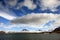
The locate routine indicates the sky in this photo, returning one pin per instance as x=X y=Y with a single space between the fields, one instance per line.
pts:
x=33 y=15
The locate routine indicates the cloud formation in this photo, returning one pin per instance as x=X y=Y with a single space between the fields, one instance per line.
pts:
x=14 y=3
x=29 y=4
x=17 y=27
x=7 y=16
x=33 y=18
x=40 y=20
x=49 y=4
x=6 y=12
x=44 y=4
x=44 y=22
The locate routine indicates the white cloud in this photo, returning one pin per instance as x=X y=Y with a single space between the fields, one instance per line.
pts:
x=45 y=4
x=1 y=24
x=38 y=20
x=29 y=4
x=14 y=3
x=7 y=16
x=10 y=27
x=33 y=18
x=49 y=4
x=6 y=12
x=57 y=23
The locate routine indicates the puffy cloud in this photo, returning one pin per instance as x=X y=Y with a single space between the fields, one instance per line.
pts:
x=14 y=3
x=29 y=4
x=45 y=4
x=49 y=4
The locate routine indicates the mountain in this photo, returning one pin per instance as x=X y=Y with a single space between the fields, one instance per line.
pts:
x=57 y=30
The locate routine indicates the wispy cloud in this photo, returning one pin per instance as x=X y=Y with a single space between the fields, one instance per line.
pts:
x=17 y=27
x=5 y=10
x=7 y=16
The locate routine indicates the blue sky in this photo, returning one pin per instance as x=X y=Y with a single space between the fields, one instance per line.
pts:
x=12 y=10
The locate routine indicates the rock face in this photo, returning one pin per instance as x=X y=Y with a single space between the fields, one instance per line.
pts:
x=57 y=30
